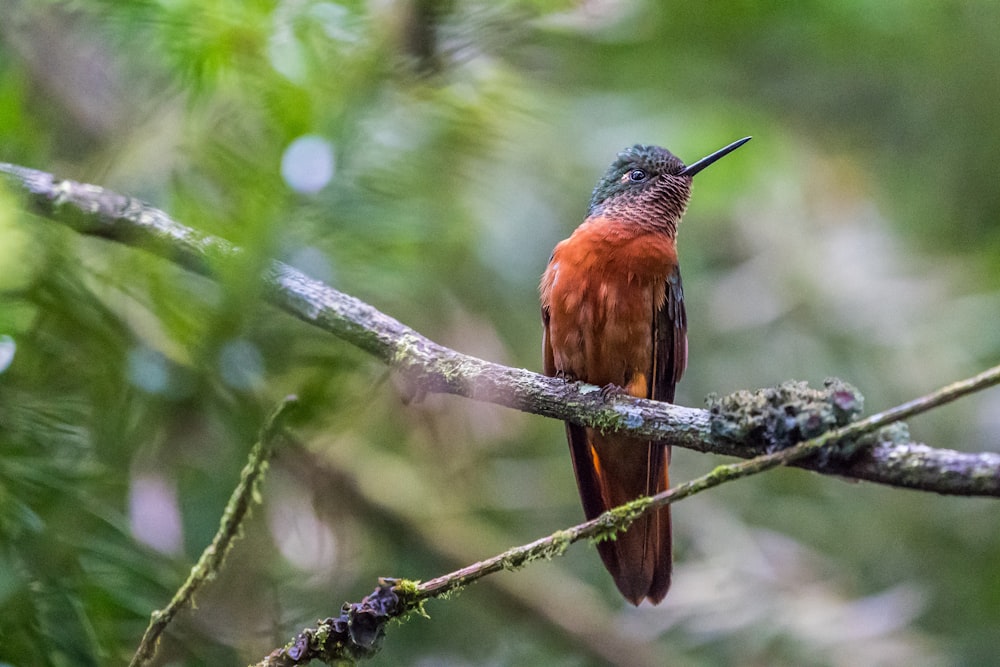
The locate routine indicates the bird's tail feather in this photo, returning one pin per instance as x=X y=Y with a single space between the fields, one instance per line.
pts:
x=611 y=471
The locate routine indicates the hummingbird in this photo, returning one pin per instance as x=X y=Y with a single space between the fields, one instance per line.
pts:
x=613 y=315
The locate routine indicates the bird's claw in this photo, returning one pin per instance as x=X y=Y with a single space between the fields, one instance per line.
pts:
x=612 y=391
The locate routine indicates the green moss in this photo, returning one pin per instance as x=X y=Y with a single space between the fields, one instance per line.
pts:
x=560 y=542
x=451 y=592
x=407 y=589
x=620 y=518
x=717 y=474
x=322 y=635
x=608 y=421
x=514 y=561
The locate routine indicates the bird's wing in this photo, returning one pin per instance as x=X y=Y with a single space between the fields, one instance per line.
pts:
x=548 y=359
x=669 y=340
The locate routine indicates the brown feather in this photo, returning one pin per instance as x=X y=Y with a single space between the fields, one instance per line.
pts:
x=613 y=313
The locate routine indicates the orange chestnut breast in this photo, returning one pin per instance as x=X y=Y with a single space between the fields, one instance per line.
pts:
x=602 y=288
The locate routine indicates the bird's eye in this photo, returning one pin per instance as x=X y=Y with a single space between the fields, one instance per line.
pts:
x=637 y=175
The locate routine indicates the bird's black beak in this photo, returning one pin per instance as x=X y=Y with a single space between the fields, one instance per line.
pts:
x=693 y=169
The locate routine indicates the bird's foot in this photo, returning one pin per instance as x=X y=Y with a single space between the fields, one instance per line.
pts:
x=568 y=376
x=611 y=391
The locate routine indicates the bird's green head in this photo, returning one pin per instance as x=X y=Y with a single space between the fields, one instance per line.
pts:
x=640 y=175
x=650 y=185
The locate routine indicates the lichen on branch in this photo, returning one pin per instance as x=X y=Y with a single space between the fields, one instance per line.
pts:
x=778 y=417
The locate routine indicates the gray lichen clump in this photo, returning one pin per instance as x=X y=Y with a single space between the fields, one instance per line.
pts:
x=778 y=417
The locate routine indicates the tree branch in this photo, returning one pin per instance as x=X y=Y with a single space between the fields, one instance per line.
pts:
x=244 y=496
x=429 y=367
x=358 y=631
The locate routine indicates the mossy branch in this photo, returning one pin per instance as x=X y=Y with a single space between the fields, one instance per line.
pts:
x=358 y=631
x=428 y=367
x=244 y=496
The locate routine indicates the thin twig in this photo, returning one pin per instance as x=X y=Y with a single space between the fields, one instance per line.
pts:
x=244 y=496
x=574 y=615
x=428 y=367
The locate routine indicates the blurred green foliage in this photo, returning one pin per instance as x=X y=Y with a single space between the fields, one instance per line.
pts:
x=855 y=236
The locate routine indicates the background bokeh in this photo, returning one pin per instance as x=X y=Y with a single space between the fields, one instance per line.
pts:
x=425 y=156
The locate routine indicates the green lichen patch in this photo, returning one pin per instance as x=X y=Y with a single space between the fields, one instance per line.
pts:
x=778 y=417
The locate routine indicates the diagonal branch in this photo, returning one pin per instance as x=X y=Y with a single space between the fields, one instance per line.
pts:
x=428 y=367
x=575 y=614
x=358 y=631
